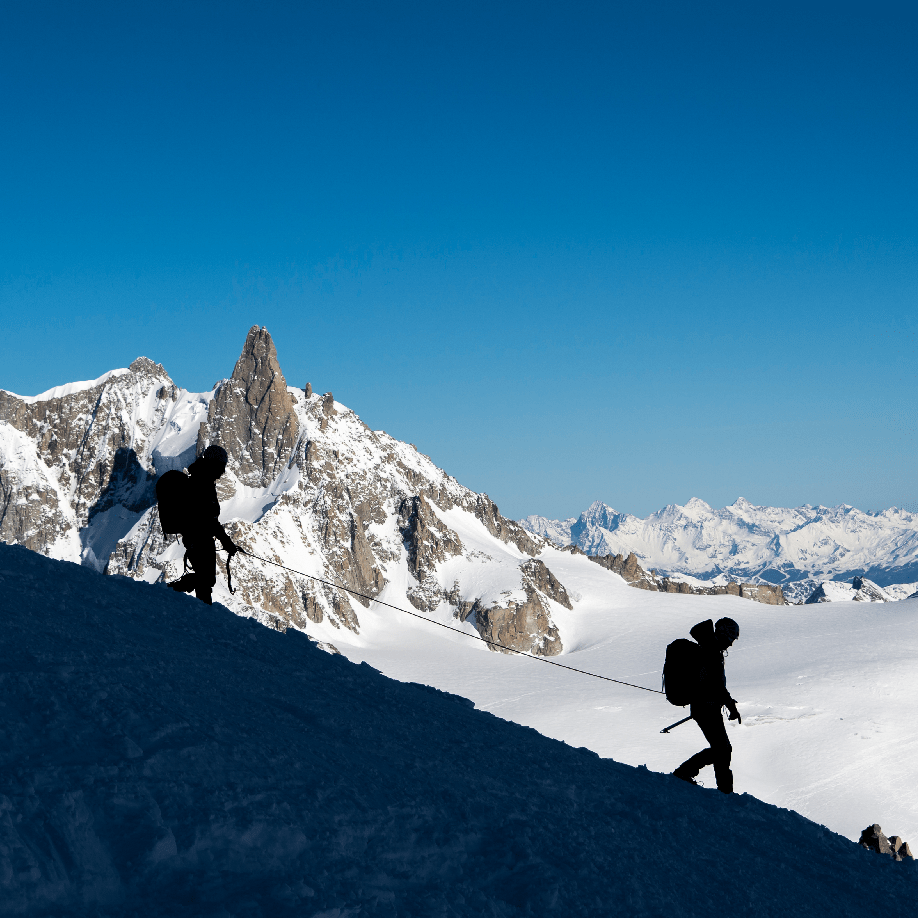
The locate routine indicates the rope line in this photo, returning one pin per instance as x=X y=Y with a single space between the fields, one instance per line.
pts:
x=424 y=618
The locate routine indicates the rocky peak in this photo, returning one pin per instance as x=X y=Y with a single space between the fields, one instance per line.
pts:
x=252 y=415
x=147 y=367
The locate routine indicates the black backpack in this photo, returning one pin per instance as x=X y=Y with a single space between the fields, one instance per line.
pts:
x=173 y=495
x=682 y=672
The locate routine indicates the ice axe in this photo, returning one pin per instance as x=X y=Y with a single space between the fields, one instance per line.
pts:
x=676 y=724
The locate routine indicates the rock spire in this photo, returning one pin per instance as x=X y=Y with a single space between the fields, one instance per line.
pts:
x=252 y=415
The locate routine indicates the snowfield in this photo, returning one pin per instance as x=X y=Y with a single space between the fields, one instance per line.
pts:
x=159 y=757
x=829 y=722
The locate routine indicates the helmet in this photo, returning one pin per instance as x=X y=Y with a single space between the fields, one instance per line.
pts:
x=215 y=454
x=727 y=628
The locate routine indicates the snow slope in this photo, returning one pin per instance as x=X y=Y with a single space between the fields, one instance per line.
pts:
x=795 y=548
x=826 y=691
x=159 y=757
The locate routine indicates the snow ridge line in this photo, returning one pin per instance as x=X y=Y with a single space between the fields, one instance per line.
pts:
x=424 y=618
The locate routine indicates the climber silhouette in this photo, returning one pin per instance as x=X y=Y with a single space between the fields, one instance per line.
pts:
x=709 y=698
x=201 y=525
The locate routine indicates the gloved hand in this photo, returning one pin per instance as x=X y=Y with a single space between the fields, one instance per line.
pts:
x=734 y=714
x=229 y=547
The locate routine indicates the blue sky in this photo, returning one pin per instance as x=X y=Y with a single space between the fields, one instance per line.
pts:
x=628 y=252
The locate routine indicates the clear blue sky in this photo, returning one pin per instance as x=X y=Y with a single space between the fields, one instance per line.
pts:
x=628 y=252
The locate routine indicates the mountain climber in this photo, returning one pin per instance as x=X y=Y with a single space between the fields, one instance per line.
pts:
x=710 y=696
x=204 y=526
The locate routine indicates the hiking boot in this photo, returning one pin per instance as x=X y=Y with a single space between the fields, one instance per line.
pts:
x=725 y=781
x=689 y=779
x=184 y=584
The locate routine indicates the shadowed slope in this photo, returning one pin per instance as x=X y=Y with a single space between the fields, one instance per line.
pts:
x=159 y=757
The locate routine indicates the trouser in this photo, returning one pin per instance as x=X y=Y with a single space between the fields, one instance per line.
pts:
x=709 y=718
x=202 y=556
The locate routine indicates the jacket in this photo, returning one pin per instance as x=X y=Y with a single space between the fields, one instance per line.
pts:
x=205 y=508
x=712 y=682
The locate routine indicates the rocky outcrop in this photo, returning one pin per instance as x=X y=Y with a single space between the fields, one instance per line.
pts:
x=32 y=512
x=506 y=530
x=72 y=456
x=537 y=577
x=873 y=838
x=524 y=626
x=631 y=571
x=252 y=415
x=628 y=569
x=429 y=542
x=859 y=590
x=768 y=593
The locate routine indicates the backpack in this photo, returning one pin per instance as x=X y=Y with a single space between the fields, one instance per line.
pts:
x=682 y=672
x=173 y=495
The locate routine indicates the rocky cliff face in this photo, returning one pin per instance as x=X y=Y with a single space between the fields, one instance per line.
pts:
x=308 y=486
x=252 y=416
x=80 y=455
x=632 y=572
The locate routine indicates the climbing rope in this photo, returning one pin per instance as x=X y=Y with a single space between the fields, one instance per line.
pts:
x=424 y=618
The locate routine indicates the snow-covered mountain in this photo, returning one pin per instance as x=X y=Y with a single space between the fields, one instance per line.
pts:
x=309 y=486
x=860 y=590
x=795 y=548
x=159 y=758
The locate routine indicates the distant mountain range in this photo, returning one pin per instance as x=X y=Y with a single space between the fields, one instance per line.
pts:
x=797 y=548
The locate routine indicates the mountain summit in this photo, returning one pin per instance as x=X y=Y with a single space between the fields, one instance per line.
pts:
x=308 y=486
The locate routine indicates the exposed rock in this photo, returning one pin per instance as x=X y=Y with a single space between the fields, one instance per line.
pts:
x=31 y=511
x=868 y=591
x=859 y=590
x=631 y=571
x=427 y=539
x=428 y=542
x=252 y=416
x=628 y=569
x=506 y=530
x=308 y=390
x=537 y=576
x=312 y=608
x=523 y=626
x=873 y=838
x=79 y=454
x=346 y=546
x=763 y=592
